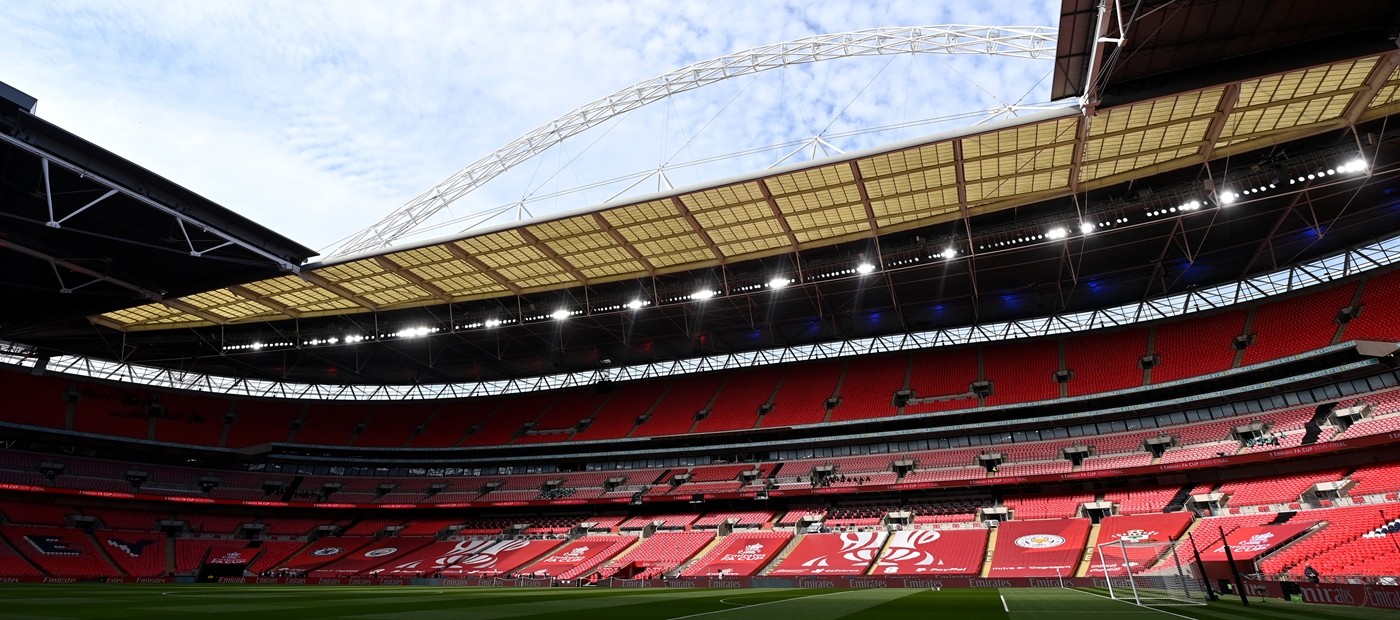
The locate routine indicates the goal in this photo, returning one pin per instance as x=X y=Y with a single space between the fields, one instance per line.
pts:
x=1148 y=573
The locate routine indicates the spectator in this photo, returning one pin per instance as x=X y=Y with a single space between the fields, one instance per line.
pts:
x=1311 y=574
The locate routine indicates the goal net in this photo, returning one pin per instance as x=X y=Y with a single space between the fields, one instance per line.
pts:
x=1149 y=573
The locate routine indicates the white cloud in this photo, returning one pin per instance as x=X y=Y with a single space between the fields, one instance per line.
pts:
x=316 y=119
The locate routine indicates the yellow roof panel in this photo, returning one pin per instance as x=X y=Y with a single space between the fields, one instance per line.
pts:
x=1127 y=144
x=468 y=286
x=224 y=303
x=152 y=314
x=565 y=229
x=493 y=242
x=1305 y=83
x=528 y=280
x=400 y=296
x=1109 y=167
x=918 y=181
x=520 y=255
x=677 y=251
x=829 y=232
x=744 y=213
x=656 y=230
x=1018 y=163
x=723 y=196
x=640 y=212
x=422 y=256
x=750 y=230
x=583 y=242
x=1020 y=137
x=813 y=221
x=998 y=189
x=914 y=204
x=1385 y=96
x=1285 y=116
x=1166 y=110
x=916 y=185
x=810 y=179
x=820 y=199
x=753 y=245
x=604 y=255
x=932 y=155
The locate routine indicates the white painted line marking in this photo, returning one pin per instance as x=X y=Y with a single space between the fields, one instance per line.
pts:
x=1003 y=604
x=1163 y=611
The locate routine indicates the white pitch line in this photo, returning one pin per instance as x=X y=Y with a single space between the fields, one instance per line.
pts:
x=1003 y=604
x=725 y=611
x=1162 y=611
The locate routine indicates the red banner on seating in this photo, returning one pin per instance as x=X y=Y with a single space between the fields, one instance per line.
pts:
x=324 y=551
x=847 y=553
x=740 y=556
x=574 y=554
x=499 y=556
x=934 y=552
x=1248 y=543
x=1134 y=530
x=1040 y=548
x=371 y=556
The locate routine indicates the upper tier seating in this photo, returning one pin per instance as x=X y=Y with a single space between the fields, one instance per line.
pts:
x=1380 y=315
x=1196 y=346
x=868 y=387
x=393 y=426
x=736 y=405
x=331 y=425
x=675 y=413
x=619 y=413
x=1020 y=371
x=1104 y=362
x=560 y=421
x=942 y=373
x=801 y=399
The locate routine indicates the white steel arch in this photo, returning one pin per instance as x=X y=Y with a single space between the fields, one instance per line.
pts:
x=1012 y=41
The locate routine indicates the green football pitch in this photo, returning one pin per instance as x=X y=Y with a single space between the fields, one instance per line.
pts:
x=20 y=602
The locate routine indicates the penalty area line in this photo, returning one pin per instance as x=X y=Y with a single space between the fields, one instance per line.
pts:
x=1160 y=611
x=725 y=611
x=1003 y=603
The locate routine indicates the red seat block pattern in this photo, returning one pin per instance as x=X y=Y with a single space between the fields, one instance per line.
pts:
x=1196 y=346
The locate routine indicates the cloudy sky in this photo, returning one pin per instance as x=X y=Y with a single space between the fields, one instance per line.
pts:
x=319 y=118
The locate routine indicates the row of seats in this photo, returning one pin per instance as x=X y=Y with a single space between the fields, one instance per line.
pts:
x=1112 y=451
x=1020 y=372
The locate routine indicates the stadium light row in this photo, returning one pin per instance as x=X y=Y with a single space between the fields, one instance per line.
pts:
x=1171 y=202
x=1360 y=259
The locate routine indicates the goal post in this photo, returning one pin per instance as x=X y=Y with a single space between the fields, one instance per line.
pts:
x=1147 y=573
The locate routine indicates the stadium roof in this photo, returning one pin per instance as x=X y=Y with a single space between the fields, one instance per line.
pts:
x=84 y=231
x=811 y=206
x=1196 y=104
